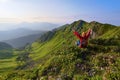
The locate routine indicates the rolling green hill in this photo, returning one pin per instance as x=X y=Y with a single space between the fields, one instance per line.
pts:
x=54 y=55
x=5 y=50
x=22 y=41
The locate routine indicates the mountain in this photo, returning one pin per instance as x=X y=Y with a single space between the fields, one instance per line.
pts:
x=16 y=33
x=23 y=29
x=44 y=26
x=55 y=55
x=5 y=46
x=5 y=50
x=22 y=41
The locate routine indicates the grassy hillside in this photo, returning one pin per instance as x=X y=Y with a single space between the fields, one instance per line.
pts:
x=64 y=36
x=55 y=55
x=5 y=50
x=6 y=58
x=7 y=65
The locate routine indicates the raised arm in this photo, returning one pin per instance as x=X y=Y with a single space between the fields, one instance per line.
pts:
x=88 y=33
x=77 y=34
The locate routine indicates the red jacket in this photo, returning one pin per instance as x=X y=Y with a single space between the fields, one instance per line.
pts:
x=83 y=39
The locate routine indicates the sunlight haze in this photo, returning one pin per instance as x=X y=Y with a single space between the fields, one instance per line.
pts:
x=59 y=11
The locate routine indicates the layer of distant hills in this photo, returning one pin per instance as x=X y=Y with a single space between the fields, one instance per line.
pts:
x=25 y=33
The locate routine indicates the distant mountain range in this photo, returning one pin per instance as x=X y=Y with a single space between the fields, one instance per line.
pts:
x=12 y=34
x=24 y=29
x=44 y=26
x=21 y=34
x=33 y=26
x=22 y=41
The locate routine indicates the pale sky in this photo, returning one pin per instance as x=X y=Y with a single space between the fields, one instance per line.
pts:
x=59 y=11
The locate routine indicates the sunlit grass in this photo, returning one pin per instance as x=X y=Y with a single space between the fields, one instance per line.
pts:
x=8 y=64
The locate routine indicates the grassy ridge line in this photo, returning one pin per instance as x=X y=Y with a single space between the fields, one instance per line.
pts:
x=65 y=35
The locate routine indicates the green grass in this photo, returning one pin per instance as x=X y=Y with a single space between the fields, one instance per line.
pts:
x=39 y=50
x=62 y=57
x=59 y=56
x=113 y=33
x=8 y=63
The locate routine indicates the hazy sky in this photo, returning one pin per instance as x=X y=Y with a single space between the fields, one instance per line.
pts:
x=60 y=11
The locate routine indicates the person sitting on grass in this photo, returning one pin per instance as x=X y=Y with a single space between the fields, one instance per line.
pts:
x=83 y=39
